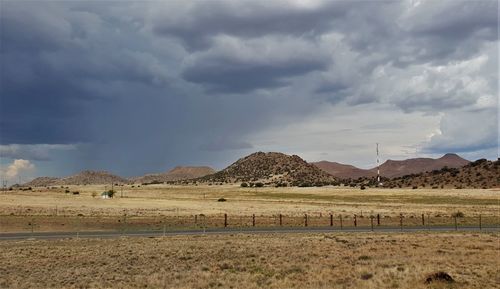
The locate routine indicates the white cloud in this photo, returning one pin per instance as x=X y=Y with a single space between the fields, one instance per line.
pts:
x=16 y=170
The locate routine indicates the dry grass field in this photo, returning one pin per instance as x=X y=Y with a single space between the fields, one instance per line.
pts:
x=342 y=260
x=191 y=200
x=156 y=206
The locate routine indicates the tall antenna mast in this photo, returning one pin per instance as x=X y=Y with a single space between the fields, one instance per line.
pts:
x=378 y=167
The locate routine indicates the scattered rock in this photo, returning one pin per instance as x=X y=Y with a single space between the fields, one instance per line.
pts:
x=439 y=277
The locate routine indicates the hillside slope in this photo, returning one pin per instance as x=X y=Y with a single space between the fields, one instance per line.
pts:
x=479 y=174
x=271 y=168
x=176 y=174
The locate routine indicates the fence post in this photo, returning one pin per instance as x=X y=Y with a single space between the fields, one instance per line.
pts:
x=423 y=220
x=225 y=220
x=480 y=223
x=281 y=220
x=79 y=227
x=456 y=226
x=305 y=220
x=378 y=219
x=355 y=221
x=331 y=220
x=371 y=221
x=341 y=225
x=32 y=226
x=401 y=221
x=124 y=226
x=253 y=220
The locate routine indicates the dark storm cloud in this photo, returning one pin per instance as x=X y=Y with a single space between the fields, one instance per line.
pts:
x=228 y=75
x=51 y=64
x=156 y=84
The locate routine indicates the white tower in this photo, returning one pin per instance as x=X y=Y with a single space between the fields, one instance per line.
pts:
x=378 y=167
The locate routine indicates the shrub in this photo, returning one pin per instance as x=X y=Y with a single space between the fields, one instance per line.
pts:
x=76 y=193
x=363 y=187
x=110 y=193
x=259 y=185
x=221 y=200
x=244 y=185
x=458 y=215
x=66 y=191
x=414 y=187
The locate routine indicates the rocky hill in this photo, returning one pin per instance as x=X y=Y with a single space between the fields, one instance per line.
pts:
x=273 y=169
x=176 y=174
x=393 y=168
x=42 y=182
x=82 y=178
x=93 y=178
x=479 y=174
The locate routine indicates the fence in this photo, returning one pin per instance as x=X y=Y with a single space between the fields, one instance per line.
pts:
x=130 y=223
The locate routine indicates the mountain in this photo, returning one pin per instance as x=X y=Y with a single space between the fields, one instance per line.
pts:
x=271 y=168
x=343 y=171
x=479 y=174
x=92 y=178
x=42 y=182
x=82 y=178
x=176 y=174
x=393 y=168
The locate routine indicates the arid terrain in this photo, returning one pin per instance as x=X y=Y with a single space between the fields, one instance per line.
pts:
x=152 y=206
x=261 y=190
x=340 y=260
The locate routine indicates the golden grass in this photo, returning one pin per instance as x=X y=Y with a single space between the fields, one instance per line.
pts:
x=339 y=260
x=190 y=200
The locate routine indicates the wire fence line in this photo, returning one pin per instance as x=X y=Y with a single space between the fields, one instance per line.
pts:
x=49 y=223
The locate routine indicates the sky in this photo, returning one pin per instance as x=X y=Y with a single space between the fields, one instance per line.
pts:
x=140 y=87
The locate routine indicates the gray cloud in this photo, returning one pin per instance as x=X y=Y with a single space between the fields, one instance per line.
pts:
x=234 y=65
x=196 y=23
x=226 y=144
x=157 y=84
x=37 y=152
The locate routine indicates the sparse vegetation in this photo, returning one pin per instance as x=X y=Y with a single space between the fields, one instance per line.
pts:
x=327 y=260
x=272 y=169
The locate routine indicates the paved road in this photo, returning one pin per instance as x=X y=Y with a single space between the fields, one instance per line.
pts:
x=220 y=231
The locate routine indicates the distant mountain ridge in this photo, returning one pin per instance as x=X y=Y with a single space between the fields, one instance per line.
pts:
x=89 y=177
x=393 y=168
x=343 y=171
x=86 y=177
x=271 y=168
x=176 y=174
